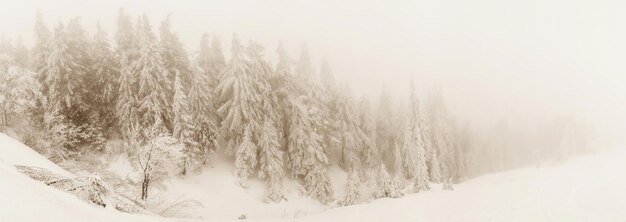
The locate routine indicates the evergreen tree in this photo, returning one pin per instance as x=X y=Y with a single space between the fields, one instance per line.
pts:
x=440 y=136
x=331 y=99
x=174 y=55
x=204 y=116
x=352 y=189
x=384 y=128
x=127 y=103
x=271 y=161
x=348 y=128
x=62 y=78
x=414 y=149
x=103 y=90
x=305 y=150
x=386 y=186
x=211 y=59
x=181 y=123
x=240 y=98
x=244 y=95
x=218 y=54
x=245 y=156
x=153 y=84
x=283 y=87
x=435 y=167
x=41 y=50
x=370 y=154
x=79 y=46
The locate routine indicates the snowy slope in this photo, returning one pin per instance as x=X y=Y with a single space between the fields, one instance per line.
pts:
x=586 y=188
x=583 y=189
x=15 y=153
x=223 y=199
x=24 y=199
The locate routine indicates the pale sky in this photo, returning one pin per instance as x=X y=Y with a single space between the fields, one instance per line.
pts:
x=525 y=60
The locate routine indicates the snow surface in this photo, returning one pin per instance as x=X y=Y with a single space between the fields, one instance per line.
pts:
x=586 y=188
x=13 y=152
x=223 y=199
x=25 y=199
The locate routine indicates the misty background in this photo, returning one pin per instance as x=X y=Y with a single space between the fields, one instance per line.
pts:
x=513 y=63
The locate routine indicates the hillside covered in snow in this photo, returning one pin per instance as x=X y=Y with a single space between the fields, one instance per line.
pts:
x=547 y=192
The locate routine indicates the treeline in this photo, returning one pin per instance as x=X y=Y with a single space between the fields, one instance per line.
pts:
x=275 y=120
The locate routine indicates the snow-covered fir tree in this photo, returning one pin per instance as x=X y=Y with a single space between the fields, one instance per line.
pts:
x=204 y=116
x=271 y=161
x=440 y=136
x=330 y=97
x=41 y=50
x=182 y=127
x=103 y=90
x=305 y=150
x=384 y=128
x=241 y=104
x=126 y=106
x=417 y=127
x=352 y=194
x=218 y=55
x=413 y=151
x=65 y=83
x=174 y=56
x=211 y=59
x=370 y=154
x=153 y=83
x=79 y=46
x=386 y=186
x=435 y=167
x=350 y=133
x=245 y=156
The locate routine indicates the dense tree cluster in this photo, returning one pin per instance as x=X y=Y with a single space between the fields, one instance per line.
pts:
x=273 y=120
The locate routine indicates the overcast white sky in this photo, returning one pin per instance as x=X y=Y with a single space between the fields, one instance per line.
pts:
x=493 y=58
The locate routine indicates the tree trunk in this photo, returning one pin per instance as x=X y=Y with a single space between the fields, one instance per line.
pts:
x=144 y=187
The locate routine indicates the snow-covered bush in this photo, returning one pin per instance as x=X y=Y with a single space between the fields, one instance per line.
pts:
x=386 y=186
x=157 y=156
x=352 y=189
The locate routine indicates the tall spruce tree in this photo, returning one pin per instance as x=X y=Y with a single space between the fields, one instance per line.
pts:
x=174 y=55
x=41 y=50
x=211 y=59
x=305 y=150
x=153 y=83
x=127 y=103
x=349 y=132
x=271 y=161
x=240 y=101
x=414 y=150
x=105 y=70
x=204 y=116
